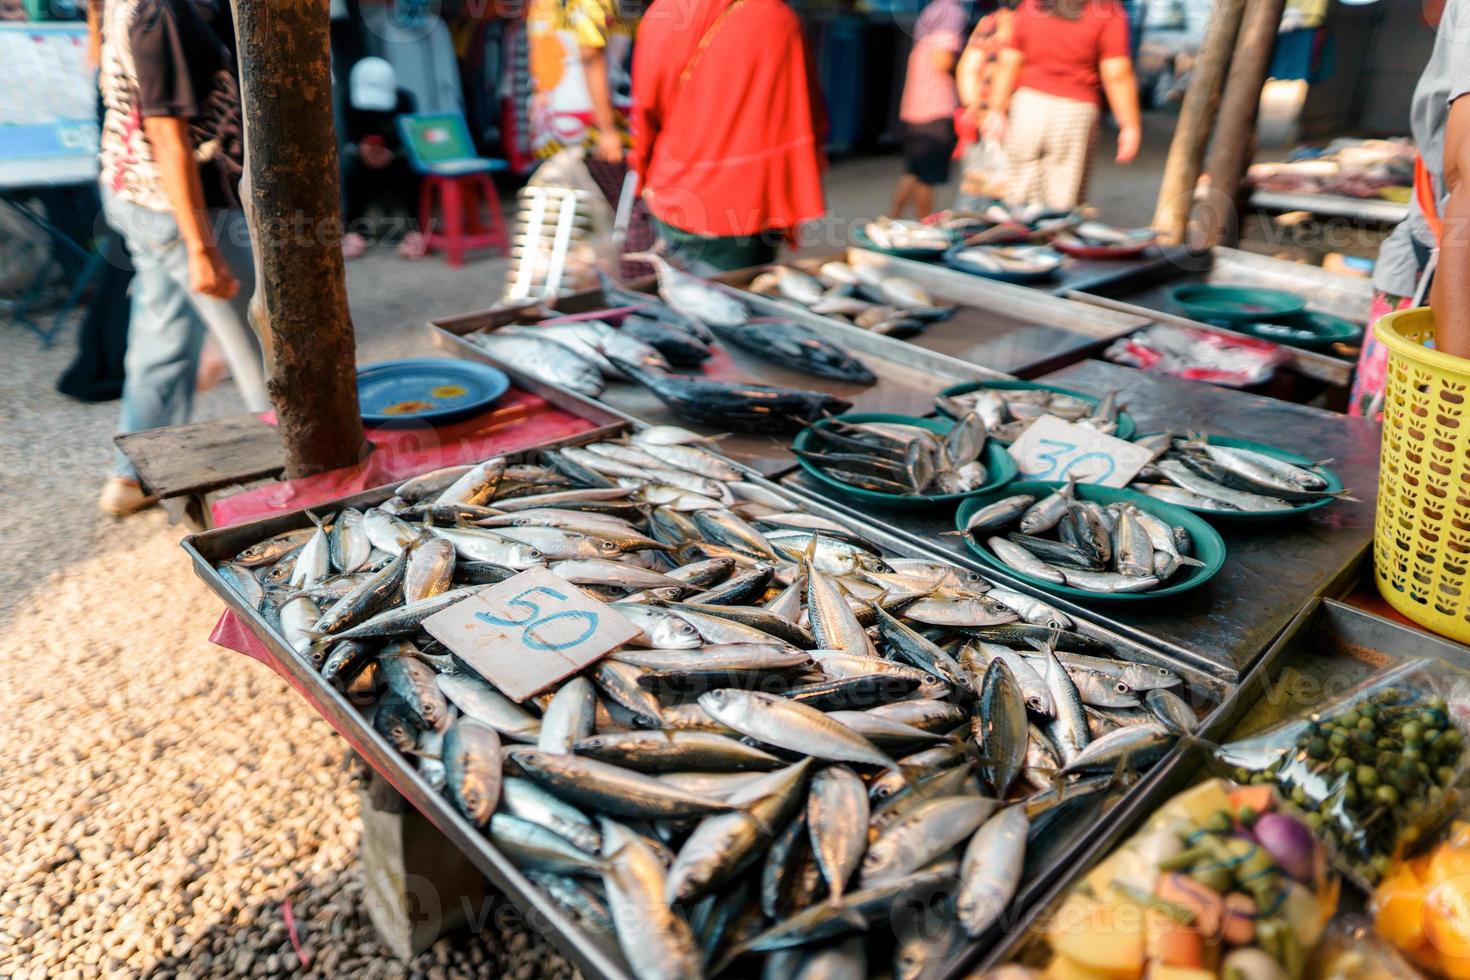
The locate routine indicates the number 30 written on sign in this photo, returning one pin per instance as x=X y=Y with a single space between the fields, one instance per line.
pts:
x=1089 y=466
x=534 y=619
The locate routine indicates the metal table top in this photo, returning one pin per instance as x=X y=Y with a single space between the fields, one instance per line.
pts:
x=1000 y=326
x=907 y=376
x=1272 y=569
x=1148 y=293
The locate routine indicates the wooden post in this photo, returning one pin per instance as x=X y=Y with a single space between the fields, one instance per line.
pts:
x=290 y=191
x=1196 y=120
x=1217 y=216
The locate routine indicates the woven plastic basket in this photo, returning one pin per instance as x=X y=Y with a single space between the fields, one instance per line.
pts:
x=1421 y=541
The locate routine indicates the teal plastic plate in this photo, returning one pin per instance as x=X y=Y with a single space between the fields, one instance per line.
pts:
x=998 y=465
x=955 y=260
x=1334 y=483
x=1308 y=329
x=1236 y=304
x=861 y=240
x=1209 y=547
x=1126 y=425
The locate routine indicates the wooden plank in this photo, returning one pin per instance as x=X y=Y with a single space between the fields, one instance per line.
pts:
x=202 y=456
x=1332 y=206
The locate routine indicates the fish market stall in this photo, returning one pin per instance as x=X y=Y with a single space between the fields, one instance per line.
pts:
x=1001 y=326
x=1344 y=297
x=1334 y=663
x=1271 y=570
x=345 y=602
x=903 y=376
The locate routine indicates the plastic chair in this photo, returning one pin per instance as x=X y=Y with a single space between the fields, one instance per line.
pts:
x=441 y=151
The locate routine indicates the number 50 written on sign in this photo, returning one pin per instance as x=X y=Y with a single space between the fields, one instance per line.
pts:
x=577 y=624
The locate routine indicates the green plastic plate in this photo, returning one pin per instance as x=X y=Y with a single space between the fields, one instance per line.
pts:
x=1208 y=545
x=1126 y=425
x=1334 y=483
x=861 y=240
x=1308 y=329
x=998 y=464
x=1236 y=304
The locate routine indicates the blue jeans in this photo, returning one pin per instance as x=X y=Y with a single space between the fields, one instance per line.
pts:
x=169 y=320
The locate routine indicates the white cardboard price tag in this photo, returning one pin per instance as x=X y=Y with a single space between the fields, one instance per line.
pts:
x=1053 y=449
x=530 y=631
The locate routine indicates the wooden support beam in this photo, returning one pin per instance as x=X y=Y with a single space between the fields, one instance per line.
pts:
x=1217 y=217
x=1196 y=121
x=290 y=191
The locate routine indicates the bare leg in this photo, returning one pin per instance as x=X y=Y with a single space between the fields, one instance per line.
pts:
x=902 y=193
x=924 y=199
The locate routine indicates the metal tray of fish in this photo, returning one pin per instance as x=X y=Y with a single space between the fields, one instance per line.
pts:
x=1004 y=327
x=906 y=376
x=1148 y=294
x=1329 y=648
x=597 y=955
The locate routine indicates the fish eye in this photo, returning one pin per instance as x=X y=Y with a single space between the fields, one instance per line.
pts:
x=1122 y=688
x=608 y=546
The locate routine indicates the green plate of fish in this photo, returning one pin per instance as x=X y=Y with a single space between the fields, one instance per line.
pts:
x=901 y=461
x=1235 y=304
x=1091 y=542
x=1008 y=407
x=1308 y=329
x=903 y=239
x=1006 y=263
x=1234 y=479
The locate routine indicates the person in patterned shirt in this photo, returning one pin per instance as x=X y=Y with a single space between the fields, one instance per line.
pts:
x=170 y=164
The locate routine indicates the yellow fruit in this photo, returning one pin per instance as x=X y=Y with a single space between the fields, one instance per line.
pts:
x=1105 y=936
x=1400 y=915
x=1447 y=918
x=1199 y=803
x=1162 y=971
x=1448 y=862
x=1062 y=968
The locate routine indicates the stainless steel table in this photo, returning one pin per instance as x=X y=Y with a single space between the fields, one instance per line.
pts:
x=1272 y=569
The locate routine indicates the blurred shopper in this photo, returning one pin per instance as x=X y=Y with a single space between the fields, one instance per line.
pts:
x=928 y=106
x=726 y=128
x=1046 y=103
x=983 y=165
x=374 y=165
x=170 y=165
x=1432 y=244
x=581 y=53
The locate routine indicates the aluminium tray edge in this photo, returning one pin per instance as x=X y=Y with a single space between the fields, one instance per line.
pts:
x=592 y=959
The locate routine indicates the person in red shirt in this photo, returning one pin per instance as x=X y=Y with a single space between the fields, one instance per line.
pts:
x=1063 y=54
x=726 y=129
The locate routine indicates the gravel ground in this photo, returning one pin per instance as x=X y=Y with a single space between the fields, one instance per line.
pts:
x=165 y=799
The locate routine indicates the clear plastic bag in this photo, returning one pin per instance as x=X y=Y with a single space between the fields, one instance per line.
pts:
x=1376 y=772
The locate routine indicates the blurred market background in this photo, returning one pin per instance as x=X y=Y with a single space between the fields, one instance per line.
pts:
x=174 y=810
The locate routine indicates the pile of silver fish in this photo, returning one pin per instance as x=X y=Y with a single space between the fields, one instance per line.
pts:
x=1008 y=413
x=805 y=735
x=1192 y=472
x=865 y=295
x=1027 y=260
x=583 y=354
x=895 y=458
x=1096 y=234
x=886 y=232
x=1082 y=544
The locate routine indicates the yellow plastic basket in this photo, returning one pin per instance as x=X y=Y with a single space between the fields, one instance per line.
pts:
x=1421 y=541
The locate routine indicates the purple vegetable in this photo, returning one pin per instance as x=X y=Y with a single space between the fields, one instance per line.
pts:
x=1289 y=842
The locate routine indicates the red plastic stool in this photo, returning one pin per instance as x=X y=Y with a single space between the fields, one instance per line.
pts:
x=461 y=197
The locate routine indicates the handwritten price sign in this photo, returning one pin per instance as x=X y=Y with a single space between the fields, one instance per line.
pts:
x=530 y=631
x=1052 y=449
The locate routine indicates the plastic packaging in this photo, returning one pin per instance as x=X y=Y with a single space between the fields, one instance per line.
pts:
x=1221 y=881
x=1376 y=772
x=1199 y=355
x=1422 y=906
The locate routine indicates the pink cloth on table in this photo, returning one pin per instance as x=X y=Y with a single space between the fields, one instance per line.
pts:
x=518 y=421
